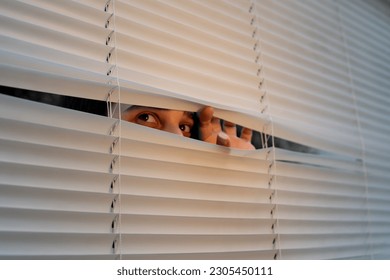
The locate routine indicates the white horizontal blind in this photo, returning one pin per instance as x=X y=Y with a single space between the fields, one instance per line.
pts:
x=150 y=194
x=75 y=185
x=367 y=36
x=55 y=182
x=330 y=204
x=306 y=73
x=56 y=177
x=187 y=199
x=192 y=50
x=62 y=197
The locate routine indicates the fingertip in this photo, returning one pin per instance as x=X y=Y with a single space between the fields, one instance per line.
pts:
x=246 y=133
x=223 y=139
x=229 y=124
x=206 y=114
x=230 y=128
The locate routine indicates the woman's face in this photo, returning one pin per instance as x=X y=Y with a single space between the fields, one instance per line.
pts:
x=177 y=122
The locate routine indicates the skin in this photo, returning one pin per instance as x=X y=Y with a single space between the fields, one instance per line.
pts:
x=211 y=131
x=181 y=123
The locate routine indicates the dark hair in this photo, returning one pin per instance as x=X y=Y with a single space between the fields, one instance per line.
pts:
x=76 y=103
x=195 y=127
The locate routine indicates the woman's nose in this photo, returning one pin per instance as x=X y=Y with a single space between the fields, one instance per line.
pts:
x=172 y=128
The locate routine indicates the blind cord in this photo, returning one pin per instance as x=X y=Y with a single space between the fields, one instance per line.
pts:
x=266 y=107
x=114 y=96
x=119 y=135
x=357 y=116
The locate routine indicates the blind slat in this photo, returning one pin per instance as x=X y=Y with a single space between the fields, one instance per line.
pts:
x=311 y=76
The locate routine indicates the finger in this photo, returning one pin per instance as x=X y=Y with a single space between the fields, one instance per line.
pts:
x=230 y=128
x=205 y=115
x=206 y=118
x=246 y=134
x=216 y=123
x=208 y=125
x=223 y=139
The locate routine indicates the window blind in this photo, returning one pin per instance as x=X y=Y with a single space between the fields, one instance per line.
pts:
x=313 y=54
x=78 y=185
x=368 y=42
x=158 y=195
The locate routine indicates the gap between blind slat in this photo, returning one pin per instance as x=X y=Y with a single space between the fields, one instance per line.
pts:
x=321 y=213
x=279 y=89
x=313 y=138
x=325 y=116
x=313 y=241
x=321 y=200
x=306 y=61
x=144 y=186
x=364 y=90
x=311 y=18
x=54 y=136
x=145 y=51
x=346 y=129
x=168 y=206
x=191 y=76
x=56 y=200
x=299 y=70
x=166 y=170
x=18 y=152
x=320 y=160
x=275 y=27
x=328 y=253
x=190 y=20
x=207 y=11
x=295 y=80
x=150 y=224
x=54 y=221
x=313 y=186
x=306 y=227
x=364 y=24
x=170 y=153
x=305 y=30
x=175 y=243
x=235 y=9
x=242 y=255
x=61 y=245
x=191 y=45
x=309 y=9
x=330 y=174
x=32 y=176
x=185 y=93
x=36 y=53
x=272 y=38
x=40 y=35
x=12 y=60
x=53 y=21
x=47 y=82
x=369 y=53
x=183 y=35
x=188 y=193
x=91 y=12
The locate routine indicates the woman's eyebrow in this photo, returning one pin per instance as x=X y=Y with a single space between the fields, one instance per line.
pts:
x=188 y=115
x=147 y=108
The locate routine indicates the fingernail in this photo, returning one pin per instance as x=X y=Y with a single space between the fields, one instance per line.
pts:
x=223 y=135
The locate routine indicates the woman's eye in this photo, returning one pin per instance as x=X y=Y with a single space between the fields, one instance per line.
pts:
x=146 y=117
x=185 y=128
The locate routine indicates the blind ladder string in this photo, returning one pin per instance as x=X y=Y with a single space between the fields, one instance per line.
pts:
x=359 y=127
x=264 y=108
x=119 y=133
x=116 y=129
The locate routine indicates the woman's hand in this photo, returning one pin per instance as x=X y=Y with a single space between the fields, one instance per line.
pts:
x=211 y=131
